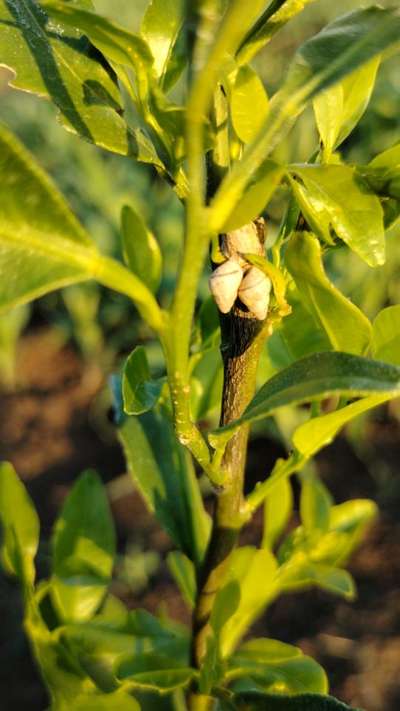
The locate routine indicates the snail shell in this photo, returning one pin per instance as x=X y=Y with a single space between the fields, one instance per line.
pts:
x=254 y=292
x=224 y=283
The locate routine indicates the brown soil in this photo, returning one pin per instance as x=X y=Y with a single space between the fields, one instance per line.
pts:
x=55 y=425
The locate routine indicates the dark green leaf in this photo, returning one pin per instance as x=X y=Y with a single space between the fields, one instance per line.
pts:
x=336 y=201
x=19 y=526
x=315 y=377
x=344 y=324
x=140 y=393
x=83 y=550
x=54 y=62
x=141 y=251
x=163 y=472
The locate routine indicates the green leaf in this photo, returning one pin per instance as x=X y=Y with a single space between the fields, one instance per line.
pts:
x=300 y=573
x=161 y=26
x=19 y=526
x=43 y=247
x=345 y=325
x=206 y=384
x=252 y=571
x=347 y=526
x=277 y=14
x=339 y=108
x=54 y=62
x=277 y=511
x=386 y=335
x=141 y=250
x=315 y=377
x=163 y=472
x=341 y=47
x=139 y=392
x=249 y=104
x=106 y=702
x=259 y=191
x=293 y=674
x=336 y=201
x=83 y=547
x=116 y=43
x=315 y=504
x=310 y=437
x=184 y=574
x=255 y=701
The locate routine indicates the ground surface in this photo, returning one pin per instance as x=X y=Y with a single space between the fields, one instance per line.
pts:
x=56 y=425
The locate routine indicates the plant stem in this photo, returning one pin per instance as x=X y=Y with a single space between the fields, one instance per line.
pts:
x=242 y=339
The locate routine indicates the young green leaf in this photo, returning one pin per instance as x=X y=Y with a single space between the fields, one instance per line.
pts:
x=277 y=511
x=163 y=472
x=249 y=104
x=45 y=64
x=344 y=324
x=386 y=335
x=339 y=108
x=310 y=437
x=140 y=393
x=43 y=246
x=300 y=573
x=259 y=191
x=83 y=546
x=315 y=505
x=161 y=25
x=297 y=674
x=106 y=702
x=336 y=201
x=19 y=526
x=142 y=253
x=313 y=378
x=183 y=571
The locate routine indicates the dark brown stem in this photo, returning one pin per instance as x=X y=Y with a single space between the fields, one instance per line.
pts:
x=242 y=338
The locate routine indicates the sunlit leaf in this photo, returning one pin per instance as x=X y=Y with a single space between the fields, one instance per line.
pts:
x=344 y=324
x=277 y=511
x=19 y=526
x=259 y=191
x=315 y=504
x=386 y=335
x=249 y=104
x=336 y=201
x=161 y=25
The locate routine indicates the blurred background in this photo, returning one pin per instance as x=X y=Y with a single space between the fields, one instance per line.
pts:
x=56 y=356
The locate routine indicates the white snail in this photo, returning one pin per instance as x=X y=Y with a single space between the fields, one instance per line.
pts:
x=254 y=292
x=224 y=283
x=253 y=288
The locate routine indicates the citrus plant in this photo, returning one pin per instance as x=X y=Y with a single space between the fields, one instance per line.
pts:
x=183 y=97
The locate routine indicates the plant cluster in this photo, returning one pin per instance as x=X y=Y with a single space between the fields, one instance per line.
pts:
x=183 y=97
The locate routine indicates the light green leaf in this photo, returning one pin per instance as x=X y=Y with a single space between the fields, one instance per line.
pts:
x=386 y=335
x=315 y=377
x=42 y=246
x=206 y=384
x=277 y=14
x=106 y=702
x=139 y=392
x=297 y=674
x=141 y=250
x=339 y=108
x=310 y=437
x=19 y=526
x=277 y=511
x=163 y=472
x=161 y=25
x=252 y=571
x=161 y=681
x=83 y=548
x=298 y=334
x=255 y=701
x=336 y=201
x=249 y=104
x=300 y=573
x=347 y=526
x=266 y=651
x=345 y=325
x=184 y=574
x=341 y=47
x=259 y=191
x=315 y=504
x=54 y=62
